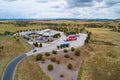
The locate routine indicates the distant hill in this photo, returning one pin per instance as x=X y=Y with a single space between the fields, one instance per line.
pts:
x=72 y=19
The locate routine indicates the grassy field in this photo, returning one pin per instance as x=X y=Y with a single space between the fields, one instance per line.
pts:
x=29 y=70
x=11 y=49
x=10 y=27
x=102 y=61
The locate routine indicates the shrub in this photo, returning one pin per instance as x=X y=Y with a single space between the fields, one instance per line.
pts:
x=40 y=45
x=66 y=56
x=58 y=62
x=69 y=66
x=58 y=47
x=53 y=59
x=72 y=49
x=50 y=67
x=77 y=52
x=71 y=58
x=54 y=52
x=39 y=57
x=47 y=54
x=61 y=47
x=61 y=75
x=65 y=50
x=43 y=60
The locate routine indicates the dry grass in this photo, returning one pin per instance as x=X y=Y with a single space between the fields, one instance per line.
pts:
x=10 y=27
x=29 y=70
x=102 y=61
x=11 y=49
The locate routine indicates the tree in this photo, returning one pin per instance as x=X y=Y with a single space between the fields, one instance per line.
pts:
x=39 y=57
x=66 y=56
x=65 y=50
x=77 y=52
x=47 y=54
x=2 y=47
x=40 y=45
x=54 y=52
x=58 y=47
x=88 y=37
x=53 y=59
x=58 y=61
x=35 y=44
x=72 y=48
x=50 y=67
x=18 y=40
x=61 y=75
x=70 y=66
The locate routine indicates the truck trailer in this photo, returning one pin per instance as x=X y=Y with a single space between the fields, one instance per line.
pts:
x=65 y=45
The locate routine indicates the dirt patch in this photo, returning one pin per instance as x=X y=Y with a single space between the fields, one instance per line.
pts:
x=61 y=68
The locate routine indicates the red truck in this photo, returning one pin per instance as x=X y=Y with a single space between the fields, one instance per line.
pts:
x=71 y=38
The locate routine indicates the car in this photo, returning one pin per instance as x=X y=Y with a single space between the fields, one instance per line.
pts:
x=34 y=51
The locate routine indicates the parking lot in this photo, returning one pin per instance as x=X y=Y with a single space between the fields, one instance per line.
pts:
x=53 y=46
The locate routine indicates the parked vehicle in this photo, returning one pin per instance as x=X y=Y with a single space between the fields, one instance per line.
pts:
x=34 y=51
x=65 y=45
x=71 y=38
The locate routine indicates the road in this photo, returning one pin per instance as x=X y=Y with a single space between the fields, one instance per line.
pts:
x=9 y=71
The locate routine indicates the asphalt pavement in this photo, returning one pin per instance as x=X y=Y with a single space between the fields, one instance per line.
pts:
x=10 y=68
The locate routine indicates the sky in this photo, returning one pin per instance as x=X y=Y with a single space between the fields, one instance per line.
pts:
x=51 y=9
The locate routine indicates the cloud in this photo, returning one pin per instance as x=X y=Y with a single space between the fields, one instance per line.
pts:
x=88 y=9
x=42 y=1
x=10 y=0
x=79 y=3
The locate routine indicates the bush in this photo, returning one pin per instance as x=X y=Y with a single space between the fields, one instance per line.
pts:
x=47 y=54
x=77 y=52
x=61 y=47
x=69 y=66
x=43 y=60
x=61 y=75
x=54 y=52
x=58 y=62
x=71 y=58
x=58 y=47
x=50 y=67
x=72 y=49
x=39 y=57
x=53 y=59
x=35 y=44
x=65 y=50
x=40 y=45
x=66 y=56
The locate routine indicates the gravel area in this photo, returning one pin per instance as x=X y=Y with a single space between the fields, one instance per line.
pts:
x=58 y=70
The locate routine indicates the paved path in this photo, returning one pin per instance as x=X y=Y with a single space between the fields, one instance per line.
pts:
x=9 y=71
